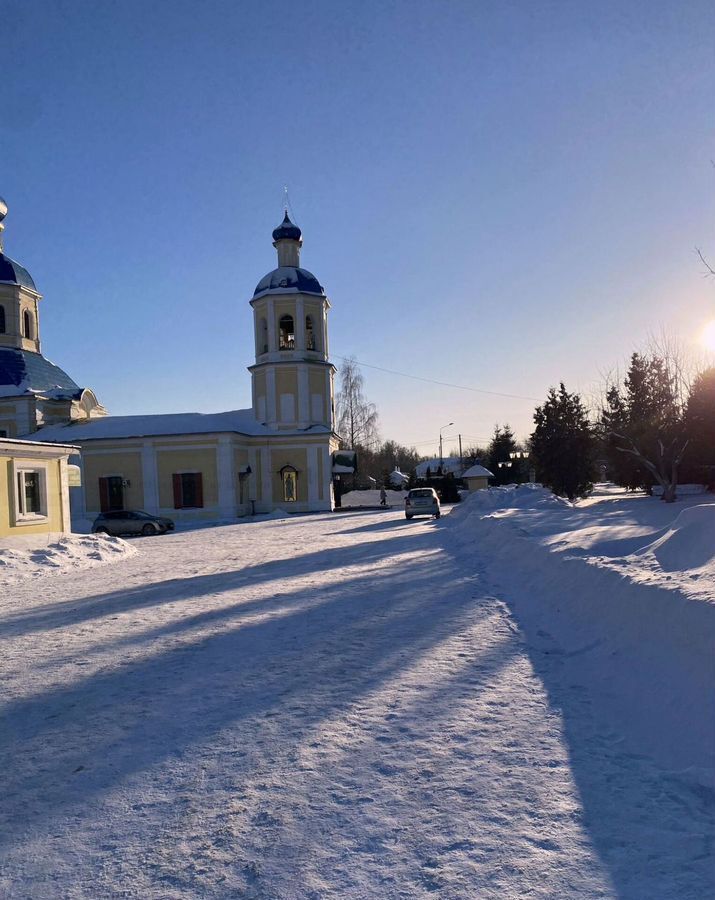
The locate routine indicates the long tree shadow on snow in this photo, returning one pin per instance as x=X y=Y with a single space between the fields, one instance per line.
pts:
x=653 y=831
x=65 y=746
x=144 y=596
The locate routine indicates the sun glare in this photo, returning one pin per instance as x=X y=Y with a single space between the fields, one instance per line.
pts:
x=707 y=336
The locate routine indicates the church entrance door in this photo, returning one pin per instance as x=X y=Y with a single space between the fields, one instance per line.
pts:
x=111 y=493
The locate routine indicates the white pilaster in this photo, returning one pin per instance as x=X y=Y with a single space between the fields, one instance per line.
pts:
x=328 y=411
x=272 y=328
x=65 y=489
x=328 y=476
x=150 y=478
x=299 y=323
x=226 y=477
x=266 y=479
x=313 y=474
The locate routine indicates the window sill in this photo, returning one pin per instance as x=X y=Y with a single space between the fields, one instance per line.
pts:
x=31 y=519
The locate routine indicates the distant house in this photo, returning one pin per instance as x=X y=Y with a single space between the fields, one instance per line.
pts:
x=450 y=465
x=477 y=478
x=398 y=479
x=34 y=487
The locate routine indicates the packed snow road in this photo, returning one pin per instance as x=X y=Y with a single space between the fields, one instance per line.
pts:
x=325 y=707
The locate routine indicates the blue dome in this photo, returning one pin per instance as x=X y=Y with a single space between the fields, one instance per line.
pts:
x=24 y=371
x=289 y=278
x=14 y=273
x=286 y=230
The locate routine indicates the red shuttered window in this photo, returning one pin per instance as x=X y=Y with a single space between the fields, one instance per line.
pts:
x=188 y=490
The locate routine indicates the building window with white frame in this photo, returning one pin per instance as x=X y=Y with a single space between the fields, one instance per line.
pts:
x=31 y=497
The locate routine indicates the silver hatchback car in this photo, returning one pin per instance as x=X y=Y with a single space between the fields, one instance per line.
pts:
x=422 y=502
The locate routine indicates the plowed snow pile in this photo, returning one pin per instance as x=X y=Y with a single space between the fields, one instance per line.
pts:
x=28 y=557
x=622 y=590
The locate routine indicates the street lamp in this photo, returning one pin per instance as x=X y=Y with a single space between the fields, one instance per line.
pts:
x=441 y=460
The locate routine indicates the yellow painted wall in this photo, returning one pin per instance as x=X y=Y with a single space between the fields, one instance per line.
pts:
x=170 y=461
x=286 y=381
x=53 y=522
x=299 y=460
x=127 y=464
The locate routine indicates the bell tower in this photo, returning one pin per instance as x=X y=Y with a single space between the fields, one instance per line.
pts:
x=292 y=378
x=19 y=301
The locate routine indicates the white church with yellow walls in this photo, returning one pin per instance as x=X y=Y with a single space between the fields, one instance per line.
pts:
x=190 y=466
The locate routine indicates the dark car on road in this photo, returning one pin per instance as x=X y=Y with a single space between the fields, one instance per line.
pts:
x=131 y=521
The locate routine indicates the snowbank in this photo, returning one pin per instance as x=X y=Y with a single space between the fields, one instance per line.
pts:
x=27 y=557
x=638 y=629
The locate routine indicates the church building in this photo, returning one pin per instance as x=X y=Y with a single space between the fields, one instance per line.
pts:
x=189 y=466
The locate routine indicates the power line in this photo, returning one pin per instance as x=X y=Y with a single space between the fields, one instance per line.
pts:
x=460 y=387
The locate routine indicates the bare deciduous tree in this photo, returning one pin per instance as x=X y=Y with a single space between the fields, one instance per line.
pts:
x=356 y=417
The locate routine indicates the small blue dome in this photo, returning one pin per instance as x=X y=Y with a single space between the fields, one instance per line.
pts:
x=289 y=278
x=287 y=230
x=13 y=273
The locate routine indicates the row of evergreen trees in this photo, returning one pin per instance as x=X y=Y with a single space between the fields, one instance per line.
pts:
x=652 y=429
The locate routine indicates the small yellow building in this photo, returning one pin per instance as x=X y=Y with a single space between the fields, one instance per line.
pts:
x=34 y=487
x=477 y=478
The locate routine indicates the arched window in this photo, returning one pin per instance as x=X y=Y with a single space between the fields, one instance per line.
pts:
x=263 y=336
x=286 y=333
x=2 y=320
x=309 y=333
x=27 y=324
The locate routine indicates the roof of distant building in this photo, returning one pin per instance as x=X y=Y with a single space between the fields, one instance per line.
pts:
x=24 y=372
x=478 y=472
x=450 y=464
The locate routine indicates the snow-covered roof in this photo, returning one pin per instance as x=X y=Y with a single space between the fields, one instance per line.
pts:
x=396 y=475
x=450 y=464
x=241 y=421
x=478 y=472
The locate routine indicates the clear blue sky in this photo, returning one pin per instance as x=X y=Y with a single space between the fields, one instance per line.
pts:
x=497 y=194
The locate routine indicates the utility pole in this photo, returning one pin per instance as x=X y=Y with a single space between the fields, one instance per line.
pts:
x=461 y=458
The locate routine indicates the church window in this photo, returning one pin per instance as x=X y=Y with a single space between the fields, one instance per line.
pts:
x=309 y=333
x=27 y=324
x=188 y=490
x=289 y=477
x=2 y=320
x=286 y=333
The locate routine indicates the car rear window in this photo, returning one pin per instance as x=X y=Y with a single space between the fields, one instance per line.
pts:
x=423 y=492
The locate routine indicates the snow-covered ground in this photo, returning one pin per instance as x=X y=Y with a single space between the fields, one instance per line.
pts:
x=352 y=705
x=372 y=498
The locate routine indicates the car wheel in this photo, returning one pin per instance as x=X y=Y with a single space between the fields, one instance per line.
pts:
x=407 y=517
x=101 y=531
x=437 y=515
x=148 y=530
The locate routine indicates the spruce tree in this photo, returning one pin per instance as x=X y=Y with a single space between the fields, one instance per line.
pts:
x=563 y=445
x=700 y=429
x=501 y=446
